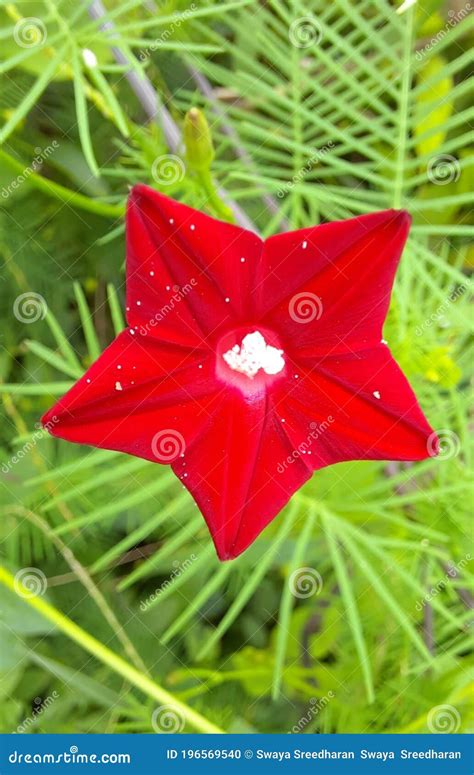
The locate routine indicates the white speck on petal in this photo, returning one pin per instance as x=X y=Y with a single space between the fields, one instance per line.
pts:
x=168 y=287
x=118 y=386
x=304 y=245
x=243 y=260
x=132 y=332
x=254 y=354
x=376 y=394
x=88 y=381
x=152 y=274
x=192 y=227
x=119 y=366
x=138 y=303
x=226 y=299
x=171 y=220
x=383 y=341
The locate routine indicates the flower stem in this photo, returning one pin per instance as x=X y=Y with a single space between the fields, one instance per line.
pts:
x=105 y=655
x=204 y=179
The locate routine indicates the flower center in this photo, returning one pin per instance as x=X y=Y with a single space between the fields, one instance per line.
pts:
x=254 y=354
x=250 y=359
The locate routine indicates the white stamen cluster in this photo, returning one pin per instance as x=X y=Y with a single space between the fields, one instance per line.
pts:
x=254 y=354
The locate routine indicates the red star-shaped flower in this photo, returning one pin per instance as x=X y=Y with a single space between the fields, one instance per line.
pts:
x=247 y=365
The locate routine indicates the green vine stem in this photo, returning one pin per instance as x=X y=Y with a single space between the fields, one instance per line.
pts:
x=61 y=192
x=105 y=655
x=86 y=580
x=205 y=181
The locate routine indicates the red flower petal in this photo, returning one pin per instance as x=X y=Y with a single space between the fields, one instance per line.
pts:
x=330 y=285
x=139 y=397
x=354 y=407
x=185 y=249
x=230 y=471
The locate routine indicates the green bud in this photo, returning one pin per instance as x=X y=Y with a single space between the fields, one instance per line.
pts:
x=198 y=140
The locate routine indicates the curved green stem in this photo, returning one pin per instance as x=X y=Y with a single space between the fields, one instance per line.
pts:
x=206 y=182
x=62 y=193
x=105 y=655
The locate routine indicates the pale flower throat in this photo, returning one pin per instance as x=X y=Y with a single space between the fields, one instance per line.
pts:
x=254 y=354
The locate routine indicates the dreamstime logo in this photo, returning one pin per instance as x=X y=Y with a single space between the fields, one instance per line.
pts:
x=167 y=445
x=443 y=169
x=316 y=704
x=168 y=32
x=39 y=707
x=454 y=17
x=438 y=315
x=452 y=572
x=29 y=307
x=305 y=32
x=30 y=582
x=39 y=433
x=168 y=169
x=179 y=569
x=305 y=582
x=305 y=307
x=443 y=444
x=443 y=720
x=179 y=293
x=30 y=32
x=41 y=154
x=167 y=720
x=304 y=447
x=317 y=156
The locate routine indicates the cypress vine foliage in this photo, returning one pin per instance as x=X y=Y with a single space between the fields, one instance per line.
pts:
x=350 y=613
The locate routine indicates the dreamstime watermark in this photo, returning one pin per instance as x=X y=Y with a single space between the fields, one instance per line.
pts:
x=167 y=719
x=179 y=293
x=168 y=169
x=304 y=448
x=443 y=720
x=40 y=706
x=438 y=315
x=305 y=31
x=30 y=307
x=454 y=17
x=316 y=705
x=179 y=569
x=30 y=32
x=451 y=573
x=39 y=433
x=167 y=445
x=443 y=169
x=30 y=582
x=443 y=444
x=41 y=154
x=318 y=155
x=305 y=582
x=305 y=307
x=168 y=32
x=68 y=757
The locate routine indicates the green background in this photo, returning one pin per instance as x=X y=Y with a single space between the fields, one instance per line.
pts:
x=331 y=109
